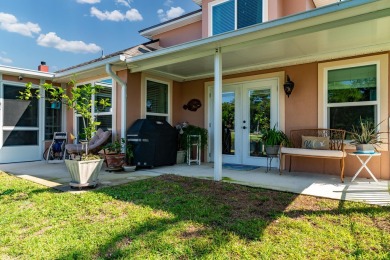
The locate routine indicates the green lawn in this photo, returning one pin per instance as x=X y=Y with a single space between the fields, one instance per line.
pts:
x=171 y=217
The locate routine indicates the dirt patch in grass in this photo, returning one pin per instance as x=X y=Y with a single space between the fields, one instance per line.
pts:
x=248 y=202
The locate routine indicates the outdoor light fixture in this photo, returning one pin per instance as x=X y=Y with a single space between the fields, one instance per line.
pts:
x=288 y=86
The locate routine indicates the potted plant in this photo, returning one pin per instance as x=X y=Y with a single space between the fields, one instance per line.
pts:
x=115 y=159
x=129 y=165
x=83 y=172
x=187 y=130
x=272 y=139
x=365 y=136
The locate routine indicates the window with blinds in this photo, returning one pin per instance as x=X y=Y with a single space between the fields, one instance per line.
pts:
x=100 y=113
x=156 y=100
x=351 y=95
x=230 y=15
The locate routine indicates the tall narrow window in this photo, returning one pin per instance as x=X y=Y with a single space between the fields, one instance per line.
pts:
x=53 y=118
x=351 y=95
x=100 y=113
x=156 y=100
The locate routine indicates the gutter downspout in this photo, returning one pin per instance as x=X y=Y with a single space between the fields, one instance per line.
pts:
x=123 y=99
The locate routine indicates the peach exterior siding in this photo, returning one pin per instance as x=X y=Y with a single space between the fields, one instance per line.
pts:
x=133 y=104
x=301 y=111
x=180 y=35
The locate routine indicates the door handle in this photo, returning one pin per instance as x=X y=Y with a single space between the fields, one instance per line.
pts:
x=244 y=127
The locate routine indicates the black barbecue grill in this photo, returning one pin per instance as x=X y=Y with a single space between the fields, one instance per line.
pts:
x=154 y=142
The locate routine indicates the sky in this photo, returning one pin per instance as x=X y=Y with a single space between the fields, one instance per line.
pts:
x=64 y=33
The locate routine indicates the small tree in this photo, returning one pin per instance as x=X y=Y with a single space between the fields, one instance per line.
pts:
x=80 y=100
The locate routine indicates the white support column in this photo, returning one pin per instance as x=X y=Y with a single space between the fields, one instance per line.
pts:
x=218 y=115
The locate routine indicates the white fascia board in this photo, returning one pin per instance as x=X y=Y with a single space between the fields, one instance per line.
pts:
x=91 y=66
x=172 y=25
x=324 y=15
x=26 y=72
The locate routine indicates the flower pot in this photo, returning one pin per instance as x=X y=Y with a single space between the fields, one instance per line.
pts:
x=129 y=168
x=365 y=148
x=272 y=149
x=115 y=161
x=84 y=173
x=180 y=157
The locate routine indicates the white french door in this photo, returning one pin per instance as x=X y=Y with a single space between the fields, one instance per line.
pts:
x=247 y=109
x=19 y=126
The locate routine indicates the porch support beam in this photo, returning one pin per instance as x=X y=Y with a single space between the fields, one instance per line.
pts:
x=218 y=115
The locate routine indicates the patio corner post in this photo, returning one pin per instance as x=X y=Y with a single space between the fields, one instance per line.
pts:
x=123 y=99
x=217 y=115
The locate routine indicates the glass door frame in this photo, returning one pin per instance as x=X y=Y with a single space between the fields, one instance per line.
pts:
x=240 y=89
x=19 y=153
x=274 y=119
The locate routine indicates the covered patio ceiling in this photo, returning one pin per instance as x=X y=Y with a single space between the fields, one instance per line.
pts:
x=346 y=29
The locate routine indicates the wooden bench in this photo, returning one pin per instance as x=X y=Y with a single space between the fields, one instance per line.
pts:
x=316 y=143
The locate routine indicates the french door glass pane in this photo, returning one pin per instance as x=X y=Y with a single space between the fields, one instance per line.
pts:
x=250 y=12
x=352 y=84
x=223 y=17
x=228 y=113
x=346 y=117
x=20 y=138
x=259 y=116
x=22 y=113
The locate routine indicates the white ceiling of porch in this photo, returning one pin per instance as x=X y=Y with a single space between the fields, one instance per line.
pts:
x=323 y=39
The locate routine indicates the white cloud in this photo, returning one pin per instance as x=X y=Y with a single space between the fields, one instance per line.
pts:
x=5 y=60
x=9 y=22
x=133 y=15
x=116 y=16
x=170 y=14
x=53 y=41
x=124 y=2
x=168 y=2
x=88 y=1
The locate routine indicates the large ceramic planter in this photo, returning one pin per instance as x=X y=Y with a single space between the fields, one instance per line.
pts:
x=84 y=173
x=272 y=149
x=115 y=161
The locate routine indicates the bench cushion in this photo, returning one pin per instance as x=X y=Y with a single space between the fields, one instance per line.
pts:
x=312 y=152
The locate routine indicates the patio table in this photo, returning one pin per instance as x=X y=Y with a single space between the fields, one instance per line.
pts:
x=367 y=157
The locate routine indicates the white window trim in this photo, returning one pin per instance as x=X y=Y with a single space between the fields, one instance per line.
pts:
x=214 y=3
x=143 y=104
x=382 y=88
x=113 y=103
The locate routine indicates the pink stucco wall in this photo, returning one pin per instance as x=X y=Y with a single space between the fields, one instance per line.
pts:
x=301 y=111
x=183 y=34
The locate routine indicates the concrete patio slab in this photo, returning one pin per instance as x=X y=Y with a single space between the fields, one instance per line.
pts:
x=321 y=185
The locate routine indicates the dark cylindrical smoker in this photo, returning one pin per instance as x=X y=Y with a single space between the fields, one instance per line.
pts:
x=155 y=143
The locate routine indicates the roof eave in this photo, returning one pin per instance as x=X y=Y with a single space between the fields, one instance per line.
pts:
x=172 y=24
x=26 y=72
x=218 y=39
x=92 y=66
